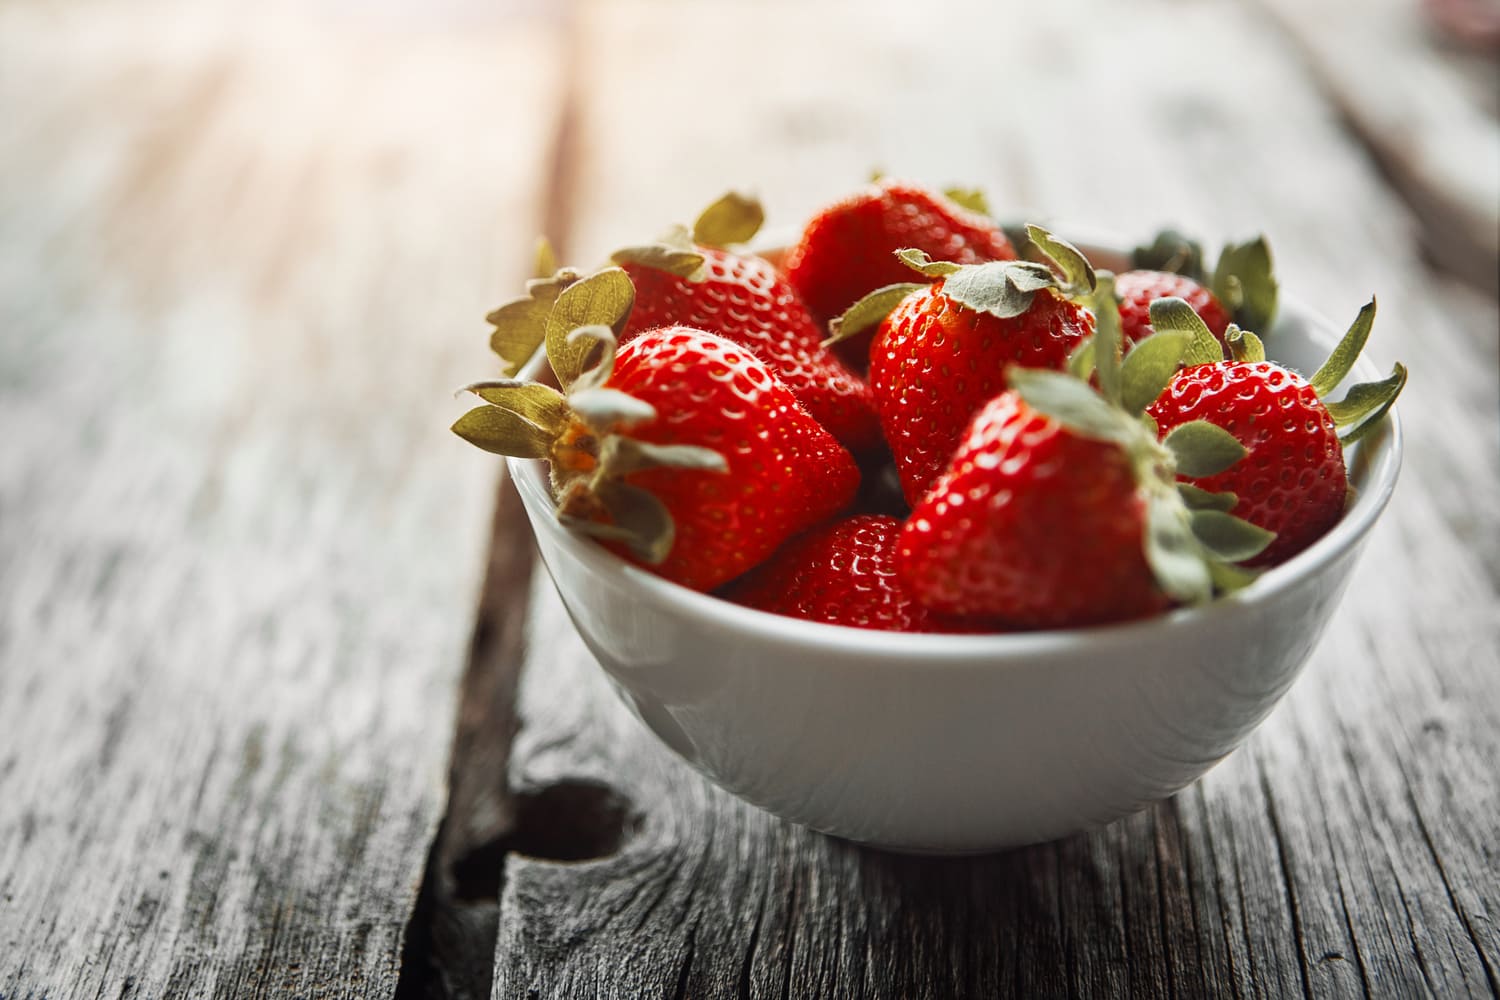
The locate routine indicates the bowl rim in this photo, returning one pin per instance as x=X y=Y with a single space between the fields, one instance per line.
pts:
x=1377 y=456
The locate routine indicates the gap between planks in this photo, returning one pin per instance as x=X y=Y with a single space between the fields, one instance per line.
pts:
x=449 y=941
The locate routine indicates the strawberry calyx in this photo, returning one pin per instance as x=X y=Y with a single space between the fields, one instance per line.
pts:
x=1003 y=288
x=972 y=199
x=731 y=220
x=1366 y=402
x=1244 y=278
x=520 y=324
x=551 y=309
x=1363 y=405
x=869 y=311
x=583 y=431
x=1190 y=541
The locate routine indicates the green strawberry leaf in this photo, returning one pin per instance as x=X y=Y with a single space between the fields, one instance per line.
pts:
x=734 y=218
x=520 y=328
x=1170 y=251
x=1175 y=314
x=503 y=432
x=1229 y=578
x=674 y=253
x=1073 y=404
x=1243 y=345
x=1203 y=449
x=869 y=311
x=1172 y=550
x=620 y=456
x=1108 y=338
x=610 y=409
x=639 y=519
x=1245 y=282
x=1081 y=362
x=587 y=338
x=1149 y=366
x=1229 y=538
x=1197 y=498
x=1365 y=404
x=922 y=263
x=538 y=403
x=1001 y=288
x=521 y=324
x=972 y=199
x=1078 y=273
x=603 y=298
x=1341 y=361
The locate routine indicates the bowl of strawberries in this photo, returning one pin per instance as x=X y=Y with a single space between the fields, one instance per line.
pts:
x=933 y=534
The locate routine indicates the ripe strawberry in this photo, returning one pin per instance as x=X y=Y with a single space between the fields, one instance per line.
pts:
x=687 y=277
x=743 y=299
x=941 y=353
x=1293 y=481
x=1033 y=523
x=1136 y=291
x=1242 y=283
x=843 y=573
x=1060 y=508
x=848 y=248
x=682 y=448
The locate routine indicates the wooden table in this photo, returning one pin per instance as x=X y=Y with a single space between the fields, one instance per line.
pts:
x=254 y=608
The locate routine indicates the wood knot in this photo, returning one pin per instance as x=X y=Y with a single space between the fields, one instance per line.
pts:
x=568 y=821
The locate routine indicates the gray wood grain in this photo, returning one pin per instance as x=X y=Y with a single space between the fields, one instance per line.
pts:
x=243 y=262
x=1348 y=848
x=1426 y=113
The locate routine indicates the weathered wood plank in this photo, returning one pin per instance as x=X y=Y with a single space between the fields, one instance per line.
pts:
x=242 y=264
x=1348 y=847
x=1413 y=100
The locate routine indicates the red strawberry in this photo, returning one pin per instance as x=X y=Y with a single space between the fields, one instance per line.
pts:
x=1136 y=291
x=843 y=573
x=1242 y=285
x=848 y=248
x=941 y=353
x=743 y=299
x=686 y=277
x=682 y=448
x=1293 y=481
x=1060 y=507
x=1032 y=523
x=785 y=472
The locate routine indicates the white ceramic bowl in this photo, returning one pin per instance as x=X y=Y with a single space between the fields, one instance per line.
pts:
x=962 y=744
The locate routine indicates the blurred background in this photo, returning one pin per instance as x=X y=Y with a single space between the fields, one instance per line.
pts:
x=246 y=251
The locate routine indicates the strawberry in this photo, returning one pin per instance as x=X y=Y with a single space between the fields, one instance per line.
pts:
x=843 y=573
x=687 y=278
x=941 y=353
x=680 y=449
x=1293 y=481
x=1034 y=523
x=1059 y=507
x=847 y=250
x=1242 y=284
x=1138 y=289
